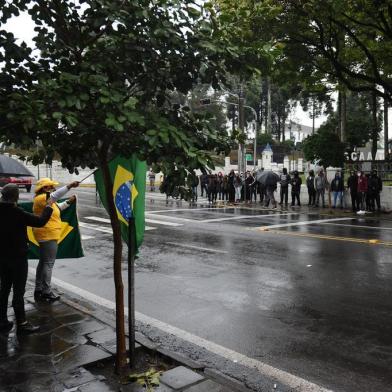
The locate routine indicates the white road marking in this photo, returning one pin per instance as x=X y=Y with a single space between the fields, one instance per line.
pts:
x=303 y=223
x=104 y=229
x=192 y=209
x=158 y=222
x=196 y=247
x=87 y=237
x=361 y=227
x=242 y=217
x=177 y=218
x=297 y=383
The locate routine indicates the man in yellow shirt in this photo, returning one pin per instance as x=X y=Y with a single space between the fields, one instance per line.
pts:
x=49 y=235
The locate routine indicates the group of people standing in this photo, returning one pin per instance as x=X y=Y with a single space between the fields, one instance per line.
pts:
x=47 y=227
x=235 y=187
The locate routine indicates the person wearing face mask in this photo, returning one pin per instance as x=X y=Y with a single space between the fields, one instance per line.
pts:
x=362 y=188
x=337 y=188
x=13 y=257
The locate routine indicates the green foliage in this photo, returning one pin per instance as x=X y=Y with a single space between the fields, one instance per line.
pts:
x=359 y=125
x=265 y=138
x=105 y=80
x=325 y=148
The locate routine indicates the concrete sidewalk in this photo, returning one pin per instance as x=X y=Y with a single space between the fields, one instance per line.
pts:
x=71 y=339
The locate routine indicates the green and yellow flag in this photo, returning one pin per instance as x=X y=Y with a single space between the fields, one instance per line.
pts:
x=129 y=184
x=70 y=244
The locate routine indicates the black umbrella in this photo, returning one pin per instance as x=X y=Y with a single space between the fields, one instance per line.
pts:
x=267 y=178
x=12 y=168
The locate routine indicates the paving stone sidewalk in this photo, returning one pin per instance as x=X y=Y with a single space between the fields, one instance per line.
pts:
x=54 y=359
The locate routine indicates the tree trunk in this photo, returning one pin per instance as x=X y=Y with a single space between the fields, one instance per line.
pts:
x=121 y=361
x=386 y=130
x=313 y=116
x=339 y=130
x=284 y=126
x=343 y=119
x=268 y=119
x=375 y=126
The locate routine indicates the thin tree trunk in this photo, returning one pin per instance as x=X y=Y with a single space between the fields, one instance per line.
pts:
x=386 y=130
x=339 y=130
x=313 y=117
x=121 y=360
x=375 y=126
x=268 y=119
x=284 y=126
x=343 y=119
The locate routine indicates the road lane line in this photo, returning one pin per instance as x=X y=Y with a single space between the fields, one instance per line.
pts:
x=158 y=222
x=104 y=229
x=242 y=217
x=359 y=226
x=87 y=237
x=373 y=241
x=196 y=247
x=297 y=383
x=191 y=209
x=302 y=223
x=170 y=217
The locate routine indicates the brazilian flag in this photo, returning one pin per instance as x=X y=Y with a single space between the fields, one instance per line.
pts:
x=129 y=183
x=69 y=245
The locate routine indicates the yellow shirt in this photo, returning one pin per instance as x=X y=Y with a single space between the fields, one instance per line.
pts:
x=52 y=230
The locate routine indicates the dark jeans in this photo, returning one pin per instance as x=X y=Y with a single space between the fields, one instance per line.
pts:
x=284 y=194
x=13 y=274
x=295 y=196
x=203 y=188
x=354 y=199
x=312 y=196
x=375 y=200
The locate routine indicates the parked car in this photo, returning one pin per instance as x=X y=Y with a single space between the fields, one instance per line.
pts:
x=22 y=182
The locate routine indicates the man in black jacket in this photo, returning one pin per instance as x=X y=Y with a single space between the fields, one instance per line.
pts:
x=352 y=184
x=13 y=256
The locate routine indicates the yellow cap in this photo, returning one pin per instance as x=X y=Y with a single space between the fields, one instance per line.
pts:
x=44 y=182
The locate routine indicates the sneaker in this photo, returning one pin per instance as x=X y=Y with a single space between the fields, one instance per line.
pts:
x=50 y=297
x=26 y=328
x=6 y=326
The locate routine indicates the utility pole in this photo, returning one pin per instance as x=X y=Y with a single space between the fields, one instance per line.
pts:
x=241 y=124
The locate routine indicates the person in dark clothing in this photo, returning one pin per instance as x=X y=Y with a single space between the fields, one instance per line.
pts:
x=284 y=187
x=311 y=188
x=352 y=184
x=212 y=188
x=374 y=190
x=254 y=188
x=337 y=188
x=249 y=180
x=296 y=183
x=231 y=188
x=203 y=184
x=225 y=187
x=219 y=185
x=13 y=257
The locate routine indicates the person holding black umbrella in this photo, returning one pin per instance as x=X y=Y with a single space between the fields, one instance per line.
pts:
x=13 y=257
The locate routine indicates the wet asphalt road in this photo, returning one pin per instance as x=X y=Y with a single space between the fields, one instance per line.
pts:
x=311 y=299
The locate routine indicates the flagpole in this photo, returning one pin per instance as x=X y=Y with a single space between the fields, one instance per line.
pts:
x=85 y=178
x=131 y=289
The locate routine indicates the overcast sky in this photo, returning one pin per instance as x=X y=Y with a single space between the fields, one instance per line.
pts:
x=23 y=28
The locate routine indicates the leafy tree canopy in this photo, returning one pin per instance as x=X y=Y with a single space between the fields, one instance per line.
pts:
x=325 y=148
